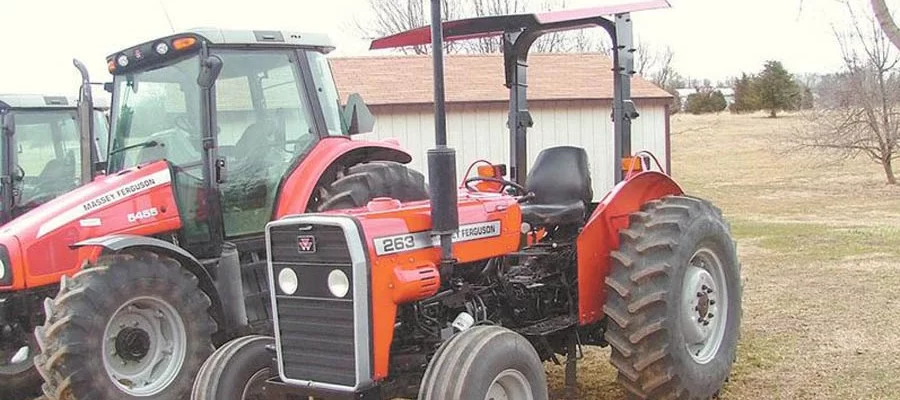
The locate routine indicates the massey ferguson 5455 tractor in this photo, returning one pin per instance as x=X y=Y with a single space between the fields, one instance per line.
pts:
x=214 y=133
x=465 y=296
x=49 y=145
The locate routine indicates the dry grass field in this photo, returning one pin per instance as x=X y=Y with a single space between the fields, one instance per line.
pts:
x=819 y=244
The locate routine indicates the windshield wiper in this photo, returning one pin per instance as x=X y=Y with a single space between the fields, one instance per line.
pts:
x=149 y=143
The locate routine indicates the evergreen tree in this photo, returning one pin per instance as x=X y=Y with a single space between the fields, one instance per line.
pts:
x=776 y=89
x=745 y=100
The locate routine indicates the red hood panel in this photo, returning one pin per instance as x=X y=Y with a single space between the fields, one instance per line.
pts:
x=139 y=201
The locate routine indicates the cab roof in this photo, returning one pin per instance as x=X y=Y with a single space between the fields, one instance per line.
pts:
x=237 y=37
x=27 y=100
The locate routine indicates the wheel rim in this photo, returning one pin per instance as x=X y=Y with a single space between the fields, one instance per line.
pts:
x=705 y=306
x=144 y=346
x=16 y=358
x=253 y=390
x=509 y=385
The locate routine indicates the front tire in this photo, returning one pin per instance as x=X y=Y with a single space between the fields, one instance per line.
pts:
x=485 y=362
x=674 y=301
x=236 y=370
x=135 y=326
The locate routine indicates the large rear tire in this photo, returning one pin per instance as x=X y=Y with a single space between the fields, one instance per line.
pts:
x=134 y=326
x=236 y=370
x=674 y=301
x=485 y=362
x=361 y=183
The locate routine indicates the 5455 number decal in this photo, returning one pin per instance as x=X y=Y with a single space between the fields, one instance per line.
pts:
x=143 y=214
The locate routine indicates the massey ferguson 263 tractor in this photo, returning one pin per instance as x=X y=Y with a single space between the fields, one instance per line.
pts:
x=49 y=145
x=214 y=133
x=465 y=296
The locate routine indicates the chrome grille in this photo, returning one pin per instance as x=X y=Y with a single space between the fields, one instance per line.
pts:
x=322 y=340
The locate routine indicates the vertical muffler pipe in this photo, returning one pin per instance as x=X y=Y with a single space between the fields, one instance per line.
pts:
x=441 y=159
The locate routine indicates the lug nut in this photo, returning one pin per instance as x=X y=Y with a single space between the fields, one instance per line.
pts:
x=710 y=315
x=699 y=294
x=704 y=287
x=700 y=320
x=705 y=323
x=712 y=302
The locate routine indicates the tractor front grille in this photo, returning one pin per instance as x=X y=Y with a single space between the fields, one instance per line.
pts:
x=322 y=340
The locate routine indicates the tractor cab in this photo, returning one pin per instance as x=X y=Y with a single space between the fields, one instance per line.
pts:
x=41 y=151
x=231 y=111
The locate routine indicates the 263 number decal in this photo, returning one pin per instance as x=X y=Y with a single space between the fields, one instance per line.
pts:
x=398 y=243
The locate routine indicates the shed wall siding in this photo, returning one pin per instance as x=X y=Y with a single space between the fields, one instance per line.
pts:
x=478 y=131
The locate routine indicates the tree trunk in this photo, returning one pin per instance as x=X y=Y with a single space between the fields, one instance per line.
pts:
x=773 y=113
x=890 y=28
x=889 y=171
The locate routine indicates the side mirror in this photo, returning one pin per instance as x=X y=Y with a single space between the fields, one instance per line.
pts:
x=356 y=116
x=8 y=123
x=108 y=87
x=209 y=71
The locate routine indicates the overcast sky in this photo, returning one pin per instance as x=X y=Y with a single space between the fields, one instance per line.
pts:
x=711 y=38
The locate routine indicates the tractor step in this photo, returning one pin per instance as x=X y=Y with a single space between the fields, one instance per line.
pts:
x=550 y=326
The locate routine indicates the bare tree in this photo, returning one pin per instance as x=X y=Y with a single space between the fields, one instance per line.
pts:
x=888 y=25
x=393 y=16
x=858 y=110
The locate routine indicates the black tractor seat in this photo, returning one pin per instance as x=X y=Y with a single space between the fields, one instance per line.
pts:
x=560 y=182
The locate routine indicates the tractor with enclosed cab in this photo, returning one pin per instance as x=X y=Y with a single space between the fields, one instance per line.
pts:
x=151 y=266
x=466 y=295
x=49 y=145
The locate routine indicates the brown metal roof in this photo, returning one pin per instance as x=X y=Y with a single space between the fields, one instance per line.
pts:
x=479 y=78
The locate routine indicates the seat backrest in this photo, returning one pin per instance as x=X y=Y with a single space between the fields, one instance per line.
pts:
x=560 y=175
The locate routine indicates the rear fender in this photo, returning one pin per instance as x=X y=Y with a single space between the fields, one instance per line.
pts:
x=124 y=243
x=321 y=160
x=601 y=235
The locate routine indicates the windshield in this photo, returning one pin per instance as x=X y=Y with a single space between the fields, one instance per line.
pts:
x=328 y=94
x=157 y=116
x=47 y=154
x=101 y=133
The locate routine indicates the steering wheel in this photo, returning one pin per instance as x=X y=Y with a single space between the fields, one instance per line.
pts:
x=520 y=190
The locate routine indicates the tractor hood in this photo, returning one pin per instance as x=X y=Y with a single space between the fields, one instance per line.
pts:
x=138 y=200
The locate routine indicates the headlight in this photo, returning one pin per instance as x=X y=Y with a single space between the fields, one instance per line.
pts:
x=162 y=48
x=338 y=283
x=287 y=281
x=5 y=267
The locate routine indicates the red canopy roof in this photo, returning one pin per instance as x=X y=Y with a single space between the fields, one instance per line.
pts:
x=472 y=28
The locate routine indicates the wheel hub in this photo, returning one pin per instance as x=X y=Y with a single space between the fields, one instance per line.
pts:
x=702 y=309
x=144 y=346
x=132 y=344
x=510 y=385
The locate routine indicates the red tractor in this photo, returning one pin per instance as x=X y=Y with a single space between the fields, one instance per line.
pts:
x=465 y=296
x=214 y=133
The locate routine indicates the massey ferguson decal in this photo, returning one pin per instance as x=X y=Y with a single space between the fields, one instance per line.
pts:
x=421 y=240
x=306 y=244
x=121 y=192
x=110 y=197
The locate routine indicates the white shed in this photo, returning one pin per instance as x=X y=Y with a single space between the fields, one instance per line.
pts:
x=569 y=98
